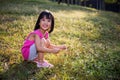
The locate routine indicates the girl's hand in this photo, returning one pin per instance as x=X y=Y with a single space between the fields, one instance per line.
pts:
x=56 y=50
x=63 y=47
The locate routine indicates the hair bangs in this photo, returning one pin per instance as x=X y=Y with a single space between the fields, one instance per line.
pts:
x=47 y=15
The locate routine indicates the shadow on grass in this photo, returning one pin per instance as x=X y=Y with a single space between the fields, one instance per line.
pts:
x=21 y=71
x=107 y=65
x=33 y=7
x=107 y=60
x=107 y=26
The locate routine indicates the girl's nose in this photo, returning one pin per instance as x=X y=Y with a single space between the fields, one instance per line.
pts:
x=46 y=22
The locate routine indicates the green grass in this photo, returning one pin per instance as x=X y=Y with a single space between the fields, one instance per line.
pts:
x=92 y=37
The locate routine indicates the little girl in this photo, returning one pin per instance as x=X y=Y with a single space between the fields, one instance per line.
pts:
x=37 y=42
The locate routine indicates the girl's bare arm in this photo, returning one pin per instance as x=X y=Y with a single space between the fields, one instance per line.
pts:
x=40 y=45
x=62 y=47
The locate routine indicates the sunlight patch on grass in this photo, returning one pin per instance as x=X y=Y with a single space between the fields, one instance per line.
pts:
x=70 y=14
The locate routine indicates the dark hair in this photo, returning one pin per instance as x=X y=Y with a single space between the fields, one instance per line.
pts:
x=48 y=16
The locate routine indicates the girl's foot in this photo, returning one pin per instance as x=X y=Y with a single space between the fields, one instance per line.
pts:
x=36 y=60
x=44 y=64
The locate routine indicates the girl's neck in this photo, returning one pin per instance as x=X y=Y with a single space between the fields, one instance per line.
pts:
x=43 y=32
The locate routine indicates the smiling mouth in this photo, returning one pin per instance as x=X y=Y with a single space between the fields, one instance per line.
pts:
x=45 y=26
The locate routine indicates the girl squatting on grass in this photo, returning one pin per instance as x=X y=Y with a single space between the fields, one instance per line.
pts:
x=37 y=42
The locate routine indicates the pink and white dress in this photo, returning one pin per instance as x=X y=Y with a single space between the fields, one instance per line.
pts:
x=28 y=50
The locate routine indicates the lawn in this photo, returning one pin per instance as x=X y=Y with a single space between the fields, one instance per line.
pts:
x=92 y=37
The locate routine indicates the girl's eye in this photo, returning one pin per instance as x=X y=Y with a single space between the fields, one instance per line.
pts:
x=43 y=19
x=49 y=20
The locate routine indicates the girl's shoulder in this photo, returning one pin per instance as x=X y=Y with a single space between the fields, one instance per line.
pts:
x=40 y=34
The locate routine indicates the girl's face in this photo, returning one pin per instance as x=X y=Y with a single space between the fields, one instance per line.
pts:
x=45 y=23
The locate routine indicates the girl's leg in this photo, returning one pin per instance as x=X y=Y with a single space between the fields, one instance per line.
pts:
x=40 y=57
x=41 y=62
x=34 y=55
